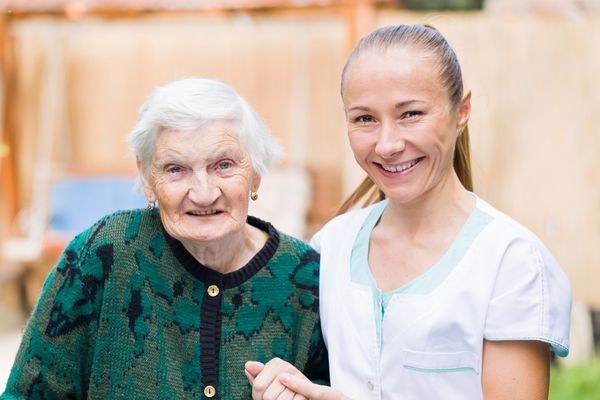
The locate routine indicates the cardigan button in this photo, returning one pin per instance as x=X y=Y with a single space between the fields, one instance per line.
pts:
x=213 y=290
x=210 y=391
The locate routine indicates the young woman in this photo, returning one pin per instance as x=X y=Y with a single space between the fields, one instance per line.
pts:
x=429 y=292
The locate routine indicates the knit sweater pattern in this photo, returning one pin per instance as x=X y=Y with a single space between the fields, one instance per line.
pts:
x=128 y=313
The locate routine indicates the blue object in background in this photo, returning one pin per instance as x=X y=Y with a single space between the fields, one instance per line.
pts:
x=76 y=203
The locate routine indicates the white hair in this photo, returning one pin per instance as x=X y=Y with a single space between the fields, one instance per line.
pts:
x=186 y=105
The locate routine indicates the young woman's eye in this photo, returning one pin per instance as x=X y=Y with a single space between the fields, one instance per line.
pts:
x=364 y=119
x=411 y=114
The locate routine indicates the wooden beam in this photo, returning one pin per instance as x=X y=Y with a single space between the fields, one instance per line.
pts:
x=123 y=8
x=130 y=9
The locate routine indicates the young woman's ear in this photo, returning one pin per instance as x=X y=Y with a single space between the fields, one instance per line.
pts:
x=464 y=111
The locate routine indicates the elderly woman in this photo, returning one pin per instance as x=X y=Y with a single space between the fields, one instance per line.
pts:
x=170 y=302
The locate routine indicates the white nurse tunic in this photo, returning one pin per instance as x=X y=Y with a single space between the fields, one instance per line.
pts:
x=505 y=286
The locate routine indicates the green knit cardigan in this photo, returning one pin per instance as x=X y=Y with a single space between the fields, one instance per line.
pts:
x=128 y=313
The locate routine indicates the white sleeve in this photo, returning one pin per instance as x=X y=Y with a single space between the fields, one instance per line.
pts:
x=315 y=241
x=531 y=299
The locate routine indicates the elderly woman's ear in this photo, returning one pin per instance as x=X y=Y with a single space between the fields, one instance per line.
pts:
x=255 y=186
x=148 y=191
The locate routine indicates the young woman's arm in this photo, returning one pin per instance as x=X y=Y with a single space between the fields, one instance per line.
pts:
x=515 y=370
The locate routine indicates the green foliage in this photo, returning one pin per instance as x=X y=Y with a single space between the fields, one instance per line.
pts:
x=580 y=382
x=442 y=4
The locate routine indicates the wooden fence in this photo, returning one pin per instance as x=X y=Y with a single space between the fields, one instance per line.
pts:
x=75 y=86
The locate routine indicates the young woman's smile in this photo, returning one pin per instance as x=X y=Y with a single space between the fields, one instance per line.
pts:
x=402 y=126
x=400 y=169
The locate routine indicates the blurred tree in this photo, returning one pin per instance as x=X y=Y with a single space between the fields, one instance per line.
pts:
x=443 y=4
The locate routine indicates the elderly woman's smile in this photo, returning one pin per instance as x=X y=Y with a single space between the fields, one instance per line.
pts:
x=202 y=180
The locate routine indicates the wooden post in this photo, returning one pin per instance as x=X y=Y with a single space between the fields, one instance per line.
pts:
x=8 y=193
x=360 y=19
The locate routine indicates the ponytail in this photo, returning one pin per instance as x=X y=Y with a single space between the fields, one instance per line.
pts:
x=462 y=160
x=366 y=191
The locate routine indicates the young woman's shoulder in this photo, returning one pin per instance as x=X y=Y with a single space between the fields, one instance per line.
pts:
x=354 y=217
x=341 y=228
x=505 y=226
x=531 y=296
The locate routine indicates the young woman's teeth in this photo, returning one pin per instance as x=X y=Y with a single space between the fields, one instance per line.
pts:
x=401 y=167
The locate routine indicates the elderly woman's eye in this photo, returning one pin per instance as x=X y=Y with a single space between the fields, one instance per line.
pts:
x=224 y=164
x=173 y=169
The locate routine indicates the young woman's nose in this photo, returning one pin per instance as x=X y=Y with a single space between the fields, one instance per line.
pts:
x=390 y=141
x=203 y=189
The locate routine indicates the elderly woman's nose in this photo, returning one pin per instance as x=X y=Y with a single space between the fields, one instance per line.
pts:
x=203 y=189
x=391 y=141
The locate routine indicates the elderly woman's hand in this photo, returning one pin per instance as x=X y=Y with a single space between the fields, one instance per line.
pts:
x=280 y=380
x=265 y=380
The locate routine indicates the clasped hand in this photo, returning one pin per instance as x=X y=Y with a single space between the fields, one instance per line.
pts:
x=280 y=380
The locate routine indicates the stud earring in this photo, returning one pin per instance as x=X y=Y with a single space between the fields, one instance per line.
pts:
x=150 y=206
x=254 y=196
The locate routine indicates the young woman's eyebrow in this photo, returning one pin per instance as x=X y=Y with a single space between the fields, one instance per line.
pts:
x=359 y=108
x=408 y=103
x=398 y=105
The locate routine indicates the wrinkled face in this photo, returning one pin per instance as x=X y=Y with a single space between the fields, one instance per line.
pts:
x=202 y=181
x=402 y=126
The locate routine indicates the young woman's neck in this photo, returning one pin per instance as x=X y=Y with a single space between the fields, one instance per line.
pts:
x=446 y=203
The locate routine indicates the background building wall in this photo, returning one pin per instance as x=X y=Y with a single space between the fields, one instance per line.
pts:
x=536 y=93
